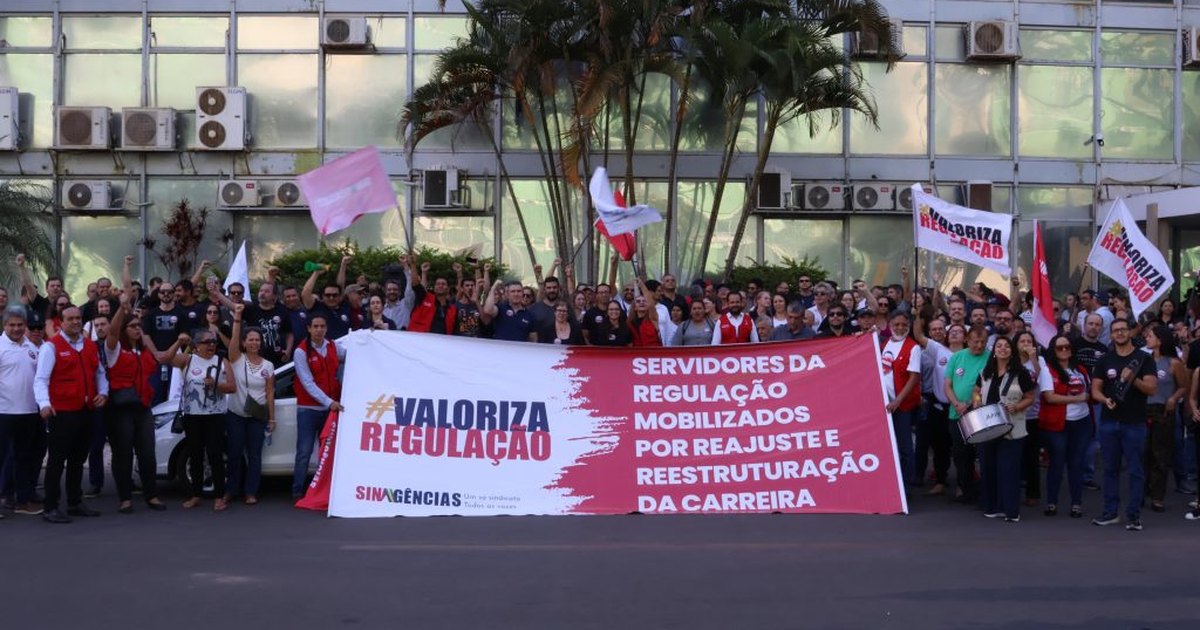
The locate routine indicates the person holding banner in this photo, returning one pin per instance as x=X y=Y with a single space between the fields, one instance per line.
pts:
x=613 y=331
x=1004 y=381
x=697 y=330
x=901 y=365
x=933 y=424
x=510 y=320
x=1121 y=382
x=563 y=330
x=318 y=391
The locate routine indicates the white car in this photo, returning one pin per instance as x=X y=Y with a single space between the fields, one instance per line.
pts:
x=279 y=455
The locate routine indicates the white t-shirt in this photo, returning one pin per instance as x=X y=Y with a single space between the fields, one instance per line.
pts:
x=1076 y=385
x=934 y=359
x=891 y=351
x=18 y=365
x=817 y=316
x=251 y=381
x=1045 y=383
x=197 y=400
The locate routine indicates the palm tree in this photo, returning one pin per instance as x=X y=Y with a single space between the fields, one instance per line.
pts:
x=26 y=222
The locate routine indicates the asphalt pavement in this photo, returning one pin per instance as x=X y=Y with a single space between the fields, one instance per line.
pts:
x=273 y=566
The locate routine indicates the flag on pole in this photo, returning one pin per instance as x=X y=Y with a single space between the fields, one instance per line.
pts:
x=347 y=188
x=239 y=271
x=973 y=236
x=1124 y=254
x=617 y=219
x=625 y=244
x=1045 y=325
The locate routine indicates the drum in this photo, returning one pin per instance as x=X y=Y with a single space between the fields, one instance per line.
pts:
x=983 y=424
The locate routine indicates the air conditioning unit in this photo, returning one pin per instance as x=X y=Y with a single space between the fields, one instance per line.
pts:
x=1191 y=47
x=874 y=197
x=84 y=195
x=773 y=190
x=992 y=40
x=439 y=187
x=288 y=195
x=865 y=43
x=148 y=129
x=10 y=121
x=904 y=197
x=238 y=194
x=826 y=196
x=81 y=128
x=221 y=119
x=345 y=32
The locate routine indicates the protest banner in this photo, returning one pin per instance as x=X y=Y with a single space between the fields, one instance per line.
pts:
x=1124 y=254
x=438 y=425
x=973 y=236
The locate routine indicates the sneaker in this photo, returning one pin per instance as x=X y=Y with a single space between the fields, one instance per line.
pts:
x=993 y=515
x=1194 y=515
x=1012 y=519
x=1091 y=485
x=56 y=517
x=1193 y=504
x=92 y=492
x=1106 y=519
x=1134 y=525
x=81 y=510
x=31 y=509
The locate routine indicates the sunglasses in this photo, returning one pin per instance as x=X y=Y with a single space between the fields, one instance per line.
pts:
x=1062 y=347
x=331 y=295
x=837 y=314
x=167 y=292
x=206 y=342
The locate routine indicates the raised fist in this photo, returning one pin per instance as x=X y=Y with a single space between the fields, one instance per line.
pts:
x=346 y=259
x=128 y=261
x=20 y=260
x=456 y=267
x=424 y=267
x=184 y=339
x=238 y=308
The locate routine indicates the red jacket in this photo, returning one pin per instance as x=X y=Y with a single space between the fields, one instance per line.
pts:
x=324 y=370
x=422 y=315
x=73 y=380
x=134 y=370
x=741 y=334
x=645 y=333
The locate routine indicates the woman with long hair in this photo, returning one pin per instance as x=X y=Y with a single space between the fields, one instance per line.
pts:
x=206 y=379
x=778 y=310
x=762 y=304
x=1004 y=381
x=1168 y=312
x=212 y=322
x=613 y=331
x=564 y=330
x=1160 y=408
x=248 y=423
x=1064 y=422
x=643 y=318
x=710 y=308
x=54 y=315
x=1030 y=355
x=375 y=319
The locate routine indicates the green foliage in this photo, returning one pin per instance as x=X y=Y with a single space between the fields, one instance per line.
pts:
x=370 y=262
x=26 y=222
x=788 y=270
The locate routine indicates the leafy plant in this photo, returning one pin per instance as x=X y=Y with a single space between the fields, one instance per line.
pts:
x=788 y=270
x=370 y=262
x=26 y=220
x=184 y=228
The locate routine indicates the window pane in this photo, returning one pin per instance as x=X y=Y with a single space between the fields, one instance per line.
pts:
x=451 y=234
x=1137 y=110
x=957 y=194
x=651 y=238
x=467 y=135
x=694 y=202
x=704 y=123
x=536 y=211
x=654 y=126
x=1054 y=202
x=283 y=99
x=973 y=109
x=914 y=41
x=110 y=80
x=273 y=236
x=436 y=33
x=950 y=42
x=33 y=75
x=260 y=32
x=102 y=32
x=819 y=239
x=1055 y=110
x=174 y=77
x=201 y=193
x=26 y=31
x=1137 y=48
x=879 y=246
x=385 y=229
x=363 y=97
x=1070 y=244
x=901 y=99
x=191 y=32
x=1190 y=95
x=388 y=32
x=1056 y=45
x=793 y=137
x=94 y=247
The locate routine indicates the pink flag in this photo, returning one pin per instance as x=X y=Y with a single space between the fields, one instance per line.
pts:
x=1044 y=325
x=347 y=188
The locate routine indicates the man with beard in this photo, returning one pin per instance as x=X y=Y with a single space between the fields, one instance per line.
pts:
x=1089 y=304
x=1002 y=326
x=594 y=316
x=836 y=324
x=543 y=310
x=1088 y=351
x=271 y=317
x=734 y=326
x=434 y=312
x=957 y=309
x=163 y=324
x=38 y=305
x=467 y=302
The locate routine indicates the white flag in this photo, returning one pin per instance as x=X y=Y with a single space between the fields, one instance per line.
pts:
x=1123 y=253
x=239 y=271
x=618 y=219
x=974 y=236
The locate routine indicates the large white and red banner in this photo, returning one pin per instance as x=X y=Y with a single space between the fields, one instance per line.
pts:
x=1124 y=254
x=973 y=236
x=437 y=425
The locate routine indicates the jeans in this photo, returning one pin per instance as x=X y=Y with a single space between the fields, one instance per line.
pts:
x=1066 y=449
x=1185 y=444
x=309 y=423
x=933 y=432
x=67 y=443
x=1120 y=440
x=1160 y=447
x=1000 y=476
x=964 y=461
x=18 y=440
x=245 y=437
x=902 y=426
x=96 y=452
x=1089 y=456
x=161 y=384
x=1031 y=460
x=206 y=436
x=131 y=430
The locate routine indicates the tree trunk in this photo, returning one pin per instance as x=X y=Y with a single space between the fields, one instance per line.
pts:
x=764 y=152
x=732 y=128
x=672 y=167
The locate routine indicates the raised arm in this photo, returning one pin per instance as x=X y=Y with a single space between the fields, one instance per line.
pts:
x=235 y=335
x=918 y=331
x=341 y=275
x=198 y=277
x=651 y=301
x=569 y=272
x=28 y=288
x=612 y=270
x=215 y=294
x=489 y=309
x=306 y=293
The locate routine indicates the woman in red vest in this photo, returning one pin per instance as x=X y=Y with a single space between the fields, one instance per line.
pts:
x=643 y=321
x=1063 y=421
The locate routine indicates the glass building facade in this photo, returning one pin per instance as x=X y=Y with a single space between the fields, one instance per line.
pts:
x=1086 y=68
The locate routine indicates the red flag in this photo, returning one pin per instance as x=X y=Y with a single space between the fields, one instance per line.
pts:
x=1044 y=325
x=317 y=496
x=625 y=244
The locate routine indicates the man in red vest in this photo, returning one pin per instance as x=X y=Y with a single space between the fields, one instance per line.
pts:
x=69 y=387
x=316 y=361
x=901 y=365
x=734 y=326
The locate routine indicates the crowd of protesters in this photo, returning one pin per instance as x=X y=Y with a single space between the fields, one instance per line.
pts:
x=80 y=376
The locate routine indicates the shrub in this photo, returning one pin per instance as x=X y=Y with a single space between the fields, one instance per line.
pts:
x=370 y=262
x=788 y=270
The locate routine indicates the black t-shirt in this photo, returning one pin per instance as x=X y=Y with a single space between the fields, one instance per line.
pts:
x=164 y=326
x=275 y=326
x=679 y=301
x=89 y=310
x=1193 y=355
x=337 y=321
x=193 y=316
x=607 y=335
x=592 y=319
x=1088 y=353
x=543 y=314
x=1132 y=409
x=466 y=319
